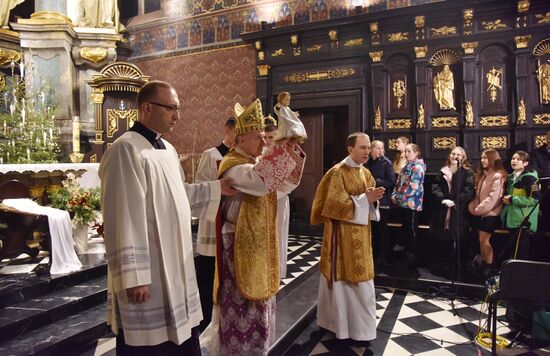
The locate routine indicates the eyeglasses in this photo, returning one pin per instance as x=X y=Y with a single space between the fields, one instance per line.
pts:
x=169 y=107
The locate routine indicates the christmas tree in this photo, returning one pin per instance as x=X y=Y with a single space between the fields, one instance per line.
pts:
x=27 y=131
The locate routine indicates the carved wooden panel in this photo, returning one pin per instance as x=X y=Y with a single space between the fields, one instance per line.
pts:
x=399 y=87
x=496 y=78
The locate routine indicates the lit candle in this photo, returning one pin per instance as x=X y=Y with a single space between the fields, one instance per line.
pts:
x=76 y=135
x=7 y=157
x=45 y=137
x=22 y=69
x=28 y=154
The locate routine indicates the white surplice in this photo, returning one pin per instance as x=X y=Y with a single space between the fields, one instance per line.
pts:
x=207 y=171
x=283 y=222
x=147 y=218
x=349 y=309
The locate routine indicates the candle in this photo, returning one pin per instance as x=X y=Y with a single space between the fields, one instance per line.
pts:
x=5 y=127
x=51 y=134
x=45 y=137
x=76 y=135
x=22 y=69
x=28 y=154
x=7 y=157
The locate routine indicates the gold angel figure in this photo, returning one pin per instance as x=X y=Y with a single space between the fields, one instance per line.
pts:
x=444 y=86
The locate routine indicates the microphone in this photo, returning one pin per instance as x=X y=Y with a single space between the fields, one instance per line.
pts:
x=458 y=162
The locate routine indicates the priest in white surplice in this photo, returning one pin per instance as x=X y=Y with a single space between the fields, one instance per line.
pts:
x=153 y=300
x=344 y=202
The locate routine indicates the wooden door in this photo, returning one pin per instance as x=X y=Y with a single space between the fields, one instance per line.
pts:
x=302 y=197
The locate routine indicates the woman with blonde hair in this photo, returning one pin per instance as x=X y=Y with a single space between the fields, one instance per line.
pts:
x=487 y=204
x=399 y=160
x=453 y=189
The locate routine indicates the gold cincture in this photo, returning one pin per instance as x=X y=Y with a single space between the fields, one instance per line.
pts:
x=493 y=121
x=443 y=142
x=443 y=31
x=493 y=82
x=421 y=51
x=495 y=142
x=399 y=124
x=376 y=56
x=399 y=92
x=319 y=75
x=542 y=119
x=93 y=54
x=398 y=36
x=494 y=25
x=522 y=41
x=521 y=113
x=445 y=121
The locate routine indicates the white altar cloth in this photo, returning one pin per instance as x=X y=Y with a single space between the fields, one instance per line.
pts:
x=86 y=172
x=63 y=255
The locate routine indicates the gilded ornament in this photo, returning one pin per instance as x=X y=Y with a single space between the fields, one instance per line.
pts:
x=7 y=56
x=46 y=18
x=419 y=21
x=314 y=48
x=377 y=119
x=399 y=92
x=261 y=55
x=398 y=36
x=97 y=97
x=258 y=45
x=469 y=47
x=263 y=70
x=421 y=121
x=494 y=25
x=319 y=75
x=521 y=113
x=468 y=16
x=542 y=119
x=443 y=31
x=493 y=83
x=421 y=51
x=543 y=77
x=278 y=52
x=397 y=124
x=294 y=40
x=523 y=6
x=392 y=144
x=542 y=48
x=444 y=85
x=493 y=121
x=445 y=121
x=373 y=27
x=540 y=140
x=296 y=51
x=543 y=18
x=113 y=117
x=444 y=56
x=333 y=35
x=93 y=158
x=353 y=42
x=443 y=142
x=93 y=54
x=469 y=114
x=522 y=41
x=376 y=56
x=2 y=82
x=495 y=142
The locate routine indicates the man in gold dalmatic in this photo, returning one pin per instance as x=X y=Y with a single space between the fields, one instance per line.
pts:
x=247 y=257
x=344 y=202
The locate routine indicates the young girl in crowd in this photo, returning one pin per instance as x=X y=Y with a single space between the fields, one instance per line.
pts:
x=408 y=195
x=487 y=204
x=522 y=196
x=399 y=160
x=453 y=189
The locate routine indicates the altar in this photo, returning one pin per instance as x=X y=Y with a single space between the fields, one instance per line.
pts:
x=39 y=177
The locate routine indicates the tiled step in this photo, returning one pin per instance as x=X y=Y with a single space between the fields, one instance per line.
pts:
x=34 y=313
x=62 y=337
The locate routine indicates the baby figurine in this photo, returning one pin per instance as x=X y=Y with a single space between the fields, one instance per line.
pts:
x=289 y=124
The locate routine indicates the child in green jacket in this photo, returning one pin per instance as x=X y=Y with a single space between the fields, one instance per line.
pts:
x=521 y=197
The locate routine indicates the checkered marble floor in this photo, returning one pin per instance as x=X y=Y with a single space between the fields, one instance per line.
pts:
x=304 y=252
x=414 y=324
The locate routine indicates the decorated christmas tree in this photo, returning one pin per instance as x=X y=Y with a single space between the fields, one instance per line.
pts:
x=27 y=130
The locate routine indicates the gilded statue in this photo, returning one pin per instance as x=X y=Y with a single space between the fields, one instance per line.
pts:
x=377 y=119
x=469 y=114
x=521 y=113
x=493 y=82
x=444 y=86
x=399 y=92
x=543 y=76
x=5 y=7
x=420 y=123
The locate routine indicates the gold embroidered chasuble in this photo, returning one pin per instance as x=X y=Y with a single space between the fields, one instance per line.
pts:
x=349 y=243
x=256 y=247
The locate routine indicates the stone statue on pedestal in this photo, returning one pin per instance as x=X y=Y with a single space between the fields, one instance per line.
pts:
x=5 y=8
x=98 y=14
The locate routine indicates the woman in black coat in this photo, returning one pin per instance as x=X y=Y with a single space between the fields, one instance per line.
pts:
x=454 y=188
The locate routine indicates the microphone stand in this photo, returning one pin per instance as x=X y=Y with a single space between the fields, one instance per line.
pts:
x=455 y=260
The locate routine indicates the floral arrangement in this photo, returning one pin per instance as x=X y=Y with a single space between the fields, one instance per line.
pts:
x=82 y=204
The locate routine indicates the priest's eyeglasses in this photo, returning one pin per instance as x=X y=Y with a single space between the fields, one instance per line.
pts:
x=169 y=107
